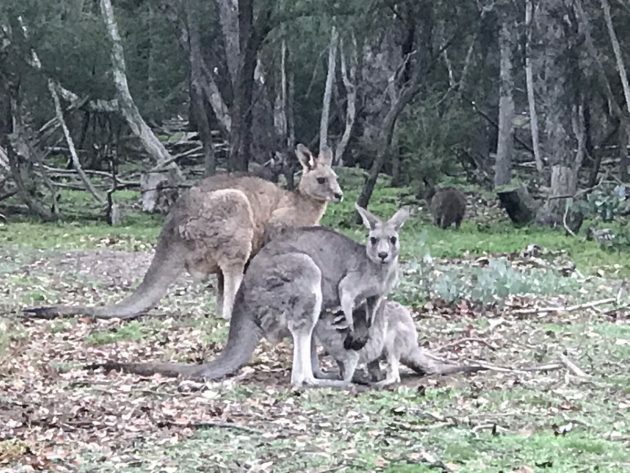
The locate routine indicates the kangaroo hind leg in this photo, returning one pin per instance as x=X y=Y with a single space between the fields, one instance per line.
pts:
x=232 y=279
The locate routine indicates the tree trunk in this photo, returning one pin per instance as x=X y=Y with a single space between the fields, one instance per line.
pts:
x=330 y=77
x=385 y=137
x=243 y=89
x=127 y=106
x=529 y=79
x=563 y=98
x=624 y=135
x=229 y=20
x=348 y=75
x=196 y=96
x=621 y=67
x=250 y=38
x=505 y=141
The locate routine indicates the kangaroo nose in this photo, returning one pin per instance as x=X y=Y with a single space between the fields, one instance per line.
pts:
x=338 y=196
x=382 y=254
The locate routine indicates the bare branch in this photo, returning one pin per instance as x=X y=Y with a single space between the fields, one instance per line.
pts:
x=73 y=153
x=127 y=106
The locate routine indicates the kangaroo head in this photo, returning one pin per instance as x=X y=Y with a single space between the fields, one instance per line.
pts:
x=319 y=181
x=383 y=246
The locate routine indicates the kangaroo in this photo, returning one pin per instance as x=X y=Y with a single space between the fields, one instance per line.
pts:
x=286 y=287
x=392 y=337
x=216 y=227
x=448 y=205
x=271 y=169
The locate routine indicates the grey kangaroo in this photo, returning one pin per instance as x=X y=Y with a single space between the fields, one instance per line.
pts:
x=216 y=227
x=391 y=337
x=288 y=284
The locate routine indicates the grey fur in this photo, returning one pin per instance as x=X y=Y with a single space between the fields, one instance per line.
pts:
x=215 y=228
x=448 y=206
x=391 y=337
x=288 y=284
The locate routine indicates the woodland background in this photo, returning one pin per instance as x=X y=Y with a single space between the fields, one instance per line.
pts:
x=110 y=108
x=155 y=94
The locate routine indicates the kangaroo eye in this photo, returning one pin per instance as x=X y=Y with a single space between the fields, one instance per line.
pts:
x=373 y=240
x=393 y=240
x=321 y=180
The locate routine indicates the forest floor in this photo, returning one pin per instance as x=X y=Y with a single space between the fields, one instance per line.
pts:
x=475 y=294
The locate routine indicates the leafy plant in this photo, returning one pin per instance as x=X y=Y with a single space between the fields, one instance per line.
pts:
x=492 y=283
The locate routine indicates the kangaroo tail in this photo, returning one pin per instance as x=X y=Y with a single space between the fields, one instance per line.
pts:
x=243 y=337
x=167 y=264
x=423 y=362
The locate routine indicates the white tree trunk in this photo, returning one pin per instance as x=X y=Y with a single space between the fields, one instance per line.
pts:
x=330 y=77
x=348 y=75
x=505 y=141
x=280 y=105
x=529 y=79
x=127 y=106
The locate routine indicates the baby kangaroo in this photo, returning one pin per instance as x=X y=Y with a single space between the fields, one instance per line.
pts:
x=288 y=284
x=216 y=227
x=391 y=337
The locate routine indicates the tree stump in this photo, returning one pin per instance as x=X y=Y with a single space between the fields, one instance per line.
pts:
x=520 y=206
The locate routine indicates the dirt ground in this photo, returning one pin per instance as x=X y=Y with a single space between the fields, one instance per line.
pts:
x=57 y=416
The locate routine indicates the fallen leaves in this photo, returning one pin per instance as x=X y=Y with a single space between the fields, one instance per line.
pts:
x=54 y=416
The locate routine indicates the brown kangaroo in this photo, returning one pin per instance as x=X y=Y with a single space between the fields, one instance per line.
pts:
x=447 y=204
x=216 y=227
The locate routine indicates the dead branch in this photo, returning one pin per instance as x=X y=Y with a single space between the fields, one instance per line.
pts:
x=128 y=107
x=573 y=308
x=73 y=153
x=465 y=340
x=572 y=367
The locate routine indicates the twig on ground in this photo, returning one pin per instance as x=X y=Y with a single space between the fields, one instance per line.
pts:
x=464 y=340
x=572 y=367
x=573 y=308
x=210 y=424
x=507 y=369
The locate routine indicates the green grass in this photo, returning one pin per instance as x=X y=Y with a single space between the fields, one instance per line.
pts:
x=132 y=331
x=473 y=239
x=388 y=429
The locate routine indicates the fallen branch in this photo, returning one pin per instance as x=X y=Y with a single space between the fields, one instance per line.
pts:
x=465 y=340
x=573 y=308
x=573 y=368
x=208 y=425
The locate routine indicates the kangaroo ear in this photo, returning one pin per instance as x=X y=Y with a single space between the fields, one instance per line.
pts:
x=278 y=158
x=399 y=218
x=369 y=219
x=306 y=158
x=325 y=156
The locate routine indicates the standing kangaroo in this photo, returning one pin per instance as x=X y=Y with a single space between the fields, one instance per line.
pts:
x=447 y=205
x=288 y=284
x=216 y=227
x=392 y=337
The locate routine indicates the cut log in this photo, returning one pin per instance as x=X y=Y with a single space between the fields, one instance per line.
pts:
x=519 y=204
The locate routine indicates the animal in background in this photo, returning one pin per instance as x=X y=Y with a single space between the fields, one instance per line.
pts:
x=271 y=169
x=447 y=205
x=216 y=227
